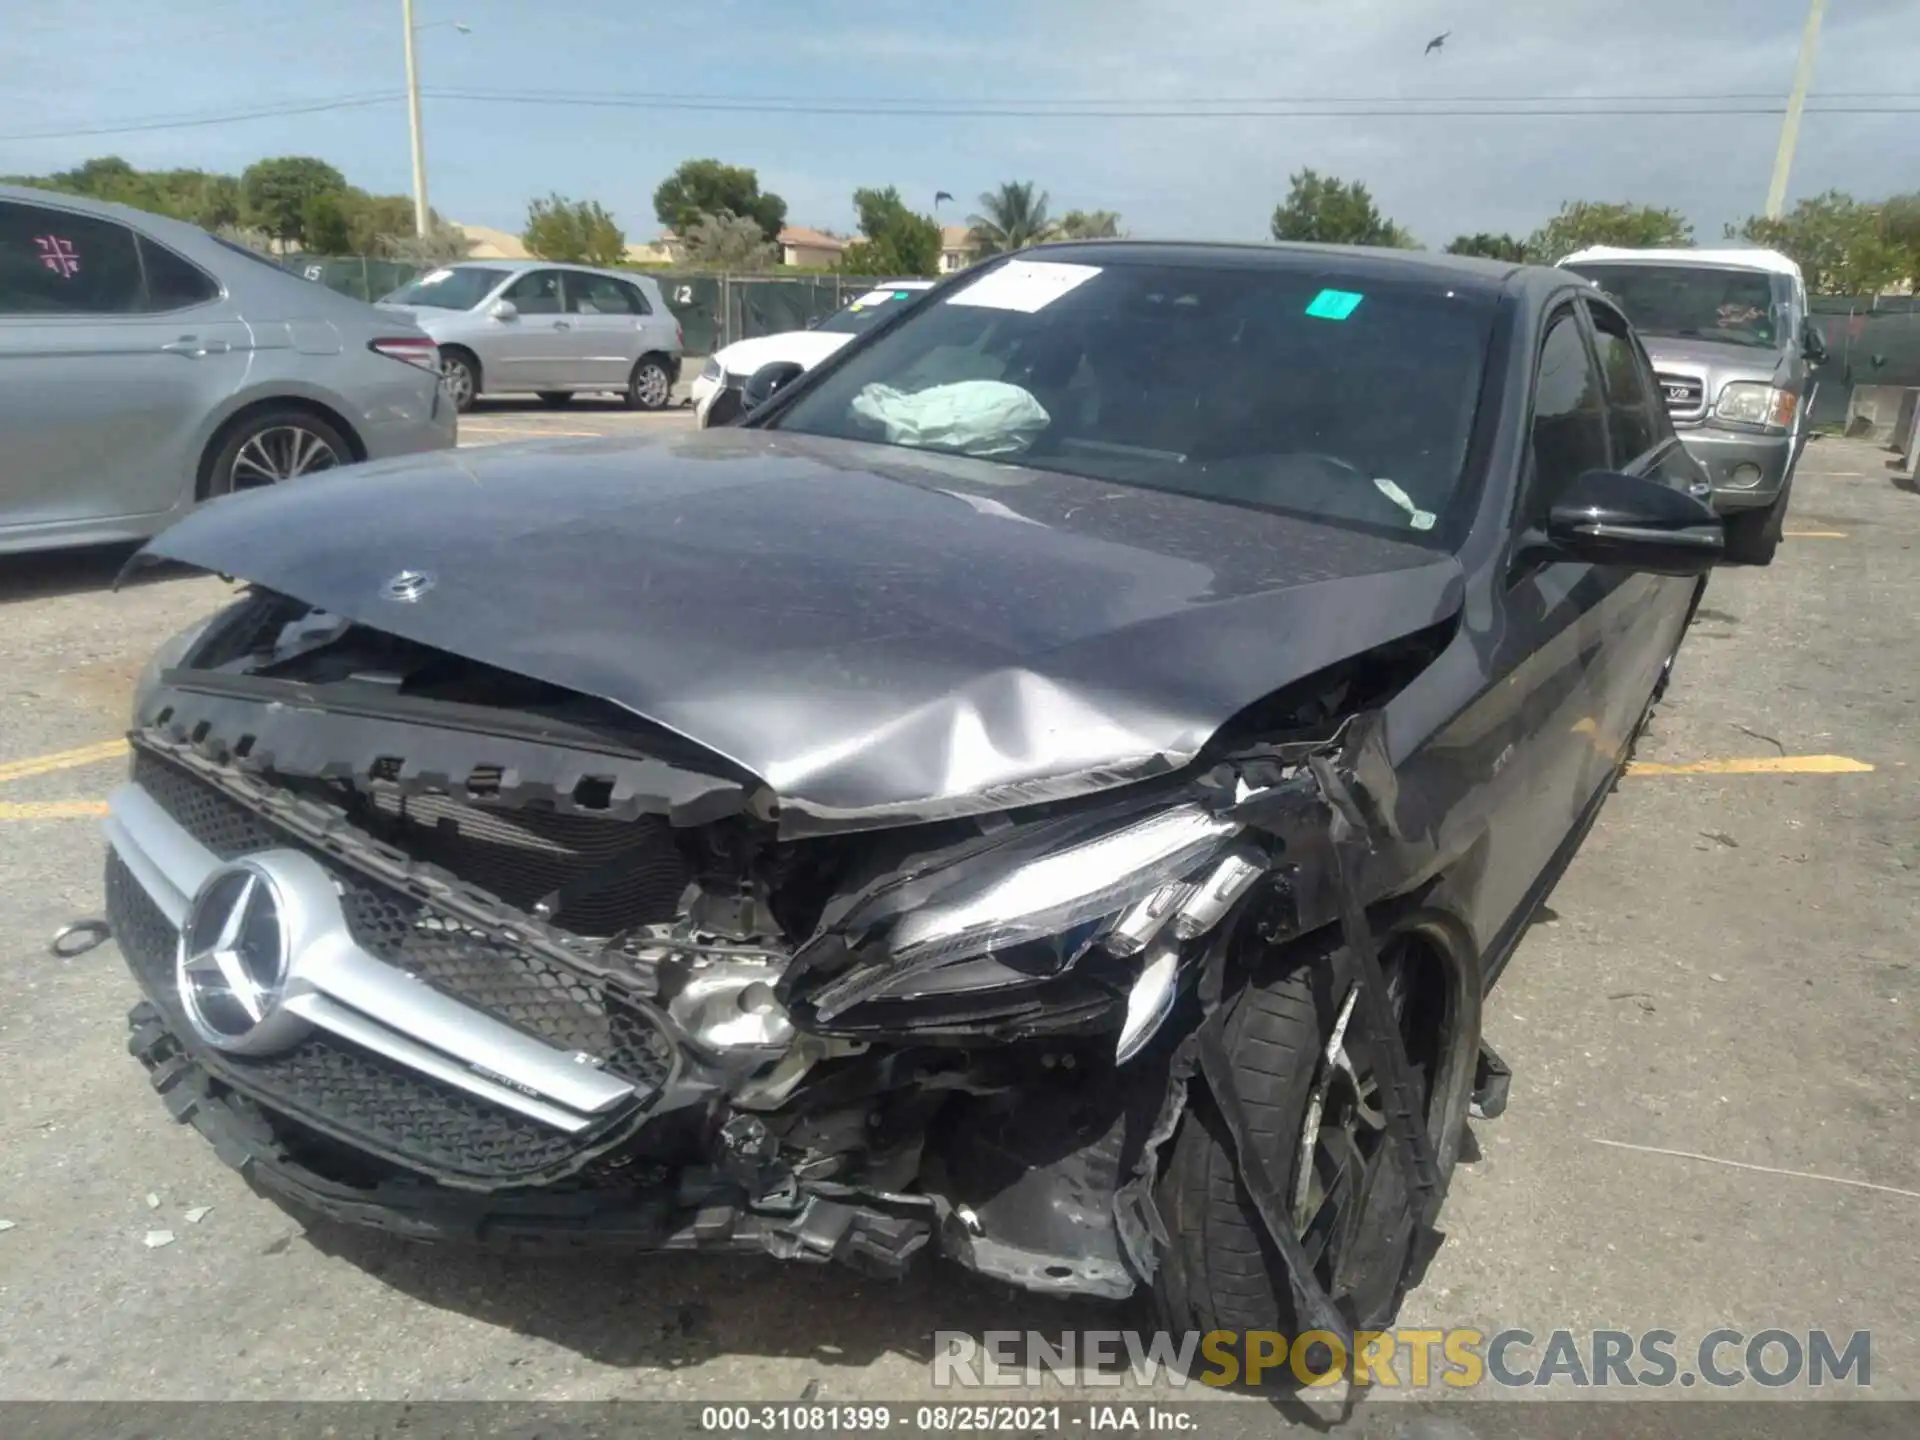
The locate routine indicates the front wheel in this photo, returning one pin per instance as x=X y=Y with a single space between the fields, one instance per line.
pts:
x=1310 y=1099
x=459 y=377
x=650 y=386
x=1754 y=535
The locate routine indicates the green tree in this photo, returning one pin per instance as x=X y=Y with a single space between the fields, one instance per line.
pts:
x=441 y=243
x=893 y=239
x=1489 y=247
x=1329 y=211
x=728 y=242
x=577 y=230
x=1011 y=218
x=1089 y=225
x=323 y=225
x=274 y=194
x=201 y=198
x=1581 y=223
x=707 y=187
x=1900 y=224
x=1842 y=245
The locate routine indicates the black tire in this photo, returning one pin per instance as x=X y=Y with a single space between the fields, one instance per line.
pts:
x=1754 y=535
x=1220 y=1270
x=556 y=399
x=460 y=377
x=281 y=442
x=650 y=386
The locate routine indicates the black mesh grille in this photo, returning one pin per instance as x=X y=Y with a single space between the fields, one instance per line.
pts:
x=343 y=1089
x=563 y=1007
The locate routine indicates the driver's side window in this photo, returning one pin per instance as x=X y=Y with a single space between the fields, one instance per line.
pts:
x=536 y=293
x=1569 y=415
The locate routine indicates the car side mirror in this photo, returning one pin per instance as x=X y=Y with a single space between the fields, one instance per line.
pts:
x=503 y=310
x=1813 y=344
x=769 y=380
x=1607 y=518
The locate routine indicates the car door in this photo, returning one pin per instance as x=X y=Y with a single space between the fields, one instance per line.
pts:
x=533 y=349
x=609 y=318
x=1644 y=614
x=113 y=351
x=1518 y=762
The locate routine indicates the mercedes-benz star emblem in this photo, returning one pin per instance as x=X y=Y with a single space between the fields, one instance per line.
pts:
x=234 y=957
x=408 y=586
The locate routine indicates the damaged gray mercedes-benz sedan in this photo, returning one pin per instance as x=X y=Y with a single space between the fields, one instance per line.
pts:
x=1052 y=786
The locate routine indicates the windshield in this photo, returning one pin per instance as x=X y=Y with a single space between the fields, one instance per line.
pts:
x=1694 y=302
x=867 y=311
x=459 y=289
x=1295 y=389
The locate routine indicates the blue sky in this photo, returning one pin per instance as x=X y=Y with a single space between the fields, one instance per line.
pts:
x=92 y=63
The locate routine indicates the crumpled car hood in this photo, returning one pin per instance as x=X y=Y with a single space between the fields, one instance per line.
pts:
x=881 y=636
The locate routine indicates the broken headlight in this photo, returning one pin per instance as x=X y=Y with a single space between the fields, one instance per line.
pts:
x=992 y=935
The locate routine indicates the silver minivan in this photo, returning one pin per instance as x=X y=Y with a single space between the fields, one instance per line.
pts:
x=146 y=365
x=1733 y=351
x=554 y=330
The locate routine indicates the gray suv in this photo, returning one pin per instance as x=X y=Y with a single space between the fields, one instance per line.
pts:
x=146 y=365
x=1733 y=352
x=554 y=330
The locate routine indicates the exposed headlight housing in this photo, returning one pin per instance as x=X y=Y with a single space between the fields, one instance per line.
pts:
x=712 y=370
x=1012 y=920
x=1751 y=402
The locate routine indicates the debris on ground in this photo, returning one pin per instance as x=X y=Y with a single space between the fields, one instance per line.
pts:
x=6 y=1224
x=157 y=1238
x=198 y=1213
x=153 y=1201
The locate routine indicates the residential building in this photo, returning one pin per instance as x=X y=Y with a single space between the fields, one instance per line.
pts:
x=809 y=249
x=956 y=248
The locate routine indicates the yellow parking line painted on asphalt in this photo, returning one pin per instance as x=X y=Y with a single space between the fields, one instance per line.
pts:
x=1813 y=534
x=62 y=760
x=1758 y=765
x=53 y=810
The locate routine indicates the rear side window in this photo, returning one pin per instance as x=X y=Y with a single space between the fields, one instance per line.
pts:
x=173 y=284
x=636 y=297
x=599 y=295
x=1633 y=415
x=1569 y=416
x=53 y=262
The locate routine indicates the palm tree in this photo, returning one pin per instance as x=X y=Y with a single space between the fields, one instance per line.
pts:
x=1013 y=217
x=1089 y=225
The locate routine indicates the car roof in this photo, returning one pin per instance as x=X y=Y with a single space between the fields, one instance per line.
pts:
x=516 y=266
x=1743 y=258
x=1459 y=271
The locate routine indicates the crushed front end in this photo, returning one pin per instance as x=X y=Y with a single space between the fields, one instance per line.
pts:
x=429 y=947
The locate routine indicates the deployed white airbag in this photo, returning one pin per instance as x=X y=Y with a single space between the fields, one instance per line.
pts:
x=974 y=417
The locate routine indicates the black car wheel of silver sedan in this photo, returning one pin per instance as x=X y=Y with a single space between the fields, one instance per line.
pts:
x=274 y=446
x=459 y=378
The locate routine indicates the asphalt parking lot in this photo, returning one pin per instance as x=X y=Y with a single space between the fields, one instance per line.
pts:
x=1713 y=1033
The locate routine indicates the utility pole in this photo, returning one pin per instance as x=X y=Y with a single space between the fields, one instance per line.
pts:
x=413 y=117
x=1790 y=126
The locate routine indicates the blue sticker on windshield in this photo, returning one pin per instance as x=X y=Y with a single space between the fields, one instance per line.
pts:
x=1334 y=304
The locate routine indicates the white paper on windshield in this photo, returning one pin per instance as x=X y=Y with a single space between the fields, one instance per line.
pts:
x=873 y=297
x=436 y=277
x=1024 y=285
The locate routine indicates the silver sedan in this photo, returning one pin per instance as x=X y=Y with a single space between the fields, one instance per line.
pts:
x=146 y=366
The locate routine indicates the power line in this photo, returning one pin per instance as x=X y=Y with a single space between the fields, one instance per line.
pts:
x=1024 y=102
x=1190 y=108
x=1275 y=111
x=228 y=117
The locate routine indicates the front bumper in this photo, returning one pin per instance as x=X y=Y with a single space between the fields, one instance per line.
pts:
x=1746 y=469
x=369 y=1123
